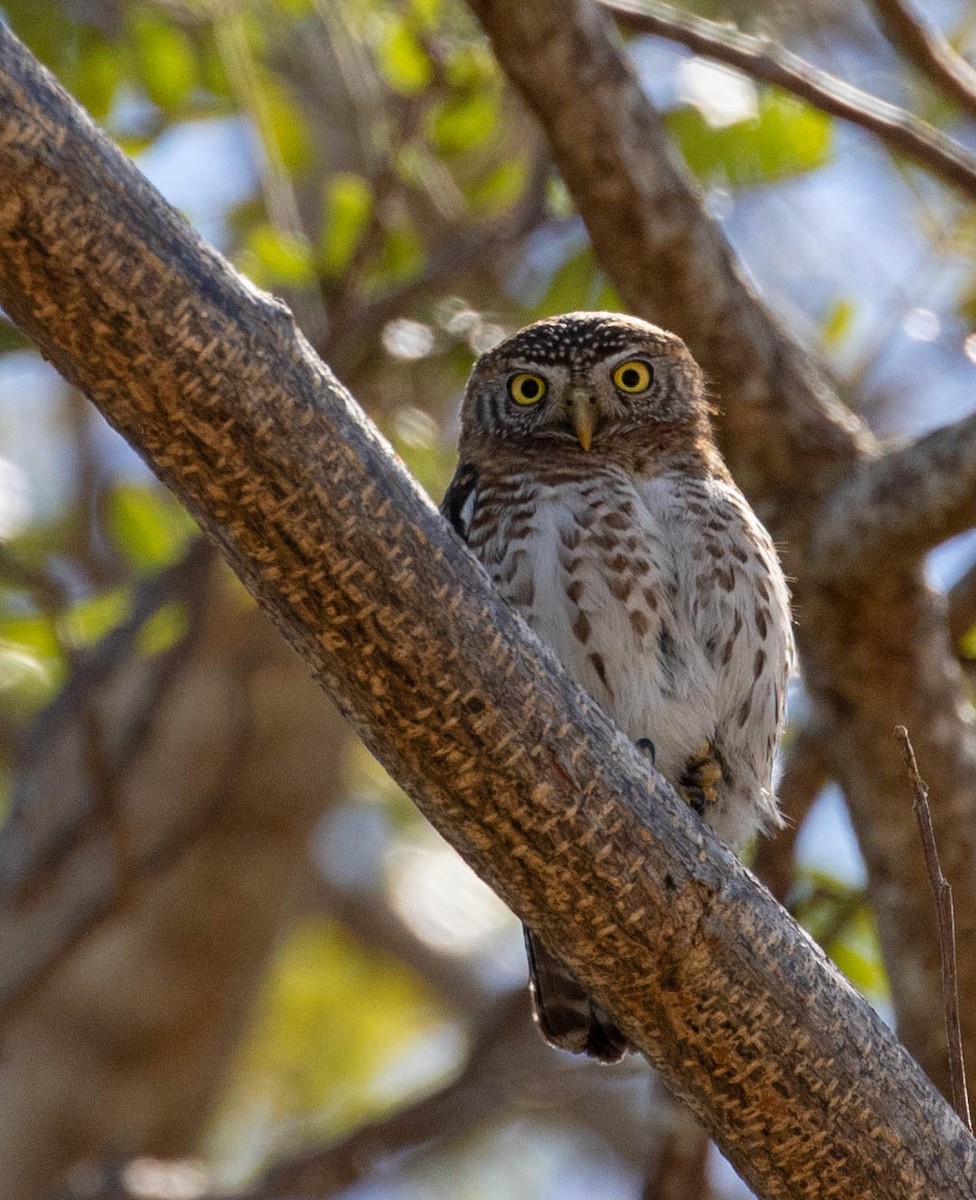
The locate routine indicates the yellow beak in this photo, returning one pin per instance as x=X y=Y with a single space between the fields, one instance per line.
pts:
x=582 y=414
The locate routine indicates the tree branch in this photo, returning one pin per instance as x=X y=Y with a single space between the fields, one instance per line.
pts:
x=763 y=59
x=792 y=1073
x=892 y=510
x=923 y=44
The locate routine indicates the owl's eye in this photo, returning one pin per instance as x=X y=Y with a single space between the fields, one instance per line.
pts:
x=633 y=376
x=526 y=388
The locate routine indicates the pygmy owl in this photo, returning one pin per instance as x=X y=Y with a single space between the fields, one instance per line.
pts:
x=590 y=487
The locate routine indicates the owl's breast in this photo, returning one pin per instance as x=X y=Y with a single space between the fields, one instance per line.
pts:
x=595 y=577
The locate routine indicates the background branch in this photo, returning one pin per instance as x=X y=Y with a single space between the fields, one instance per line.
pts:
x=892 y=510
x=923 y=44
x=767 y=61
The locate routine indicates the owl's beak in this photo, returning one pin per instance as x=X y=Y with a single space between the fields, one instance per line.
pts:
x=582 y=415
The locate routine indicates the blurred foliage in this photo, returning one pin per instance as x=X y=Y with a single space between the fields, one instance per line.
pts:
x=394 y=193
x=333 y=1021
x=839 y=917
x=785 y=138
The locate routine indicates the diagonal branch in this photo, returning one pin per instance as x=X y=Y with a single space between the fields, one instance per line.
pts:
x=892 y=510
x=923 y=44
x=763 y=59
x=789 y=1070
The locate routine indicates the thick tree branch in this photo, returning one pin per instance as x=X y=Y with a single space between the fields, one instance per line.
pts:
x=799 y=1081
x=892 y=510
x=923 y=44
x=874 y=652
x=767 y=61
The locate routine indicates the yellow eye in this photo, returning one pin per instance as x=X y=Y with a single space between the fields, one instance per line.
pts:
x=526 y=388
x=633 y=376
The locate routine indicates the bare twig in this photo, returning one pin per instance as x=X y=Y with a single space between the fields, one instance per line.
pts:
x=942 y=892
x=763 y=59
x=923 y=44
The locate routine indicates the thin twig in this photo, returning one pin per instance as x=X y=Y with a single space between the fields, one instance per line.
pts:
x=763 y=59
x=942 y=892
x=923 y=44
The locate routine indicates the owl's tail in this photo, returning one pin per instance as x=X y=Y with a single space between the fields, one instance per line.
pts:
x=567 y=1016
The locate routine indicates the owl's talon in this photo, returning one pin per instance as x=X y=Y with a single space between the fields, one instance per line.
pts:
x=646 y=747
x=698 y=785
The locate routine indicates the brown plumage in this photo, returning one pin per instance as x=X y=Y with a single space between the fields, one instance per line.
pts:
x=590 y=487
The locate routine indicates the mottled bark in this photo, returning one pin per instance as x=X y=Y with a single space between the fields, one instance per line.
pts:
x=875 y=649
x=142 y=897
x=794 y=1075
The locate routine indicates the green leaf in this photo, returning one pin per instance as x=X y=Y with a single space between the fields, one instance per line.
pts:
x=332 y=1017
x=967 y=644
x=163 y=629
x=786 y=139
x=166 y=59
x=402 y=59
x=348 y=205
x=578 y=284
x=500 y=188
x=91 y=619
x=147 y=525
x=97 y=74
x=462 y=122
x=283 y=124
x=400 y=259
x=837 y=323
x=273 y=258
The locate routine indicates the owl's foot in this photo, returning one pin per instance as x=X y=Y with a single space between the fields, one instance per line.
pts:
x=646 y=747
x=698 y=785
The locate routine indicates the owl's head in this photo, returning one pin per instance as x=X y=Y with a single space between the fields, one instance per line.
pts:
x=585 y=378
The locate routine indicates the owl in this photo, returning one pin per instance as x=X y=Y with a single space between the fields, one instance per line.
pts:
x=590 y=487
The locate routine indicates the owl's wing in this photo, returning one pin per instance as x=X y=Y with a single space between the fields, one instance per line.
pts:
x=566 y=1014
x=461 y=498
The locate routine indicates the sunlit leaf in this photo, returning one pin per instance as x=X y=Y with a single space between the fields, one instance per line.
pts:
x=347 y=208
x=165 y=57
x=147 y=525
x=332 y=1016
x=462 y=122
x=400 y=259
x=838 y=322
x=163 y=629
x=274 y=258
x=500 y=188
x=858 y=954
x=577 y=284
x=11 y=338
x=91 y=619
x=283 y=122
x=402 y=58
x=788 y=138
x=97 y=74
x=967 y=644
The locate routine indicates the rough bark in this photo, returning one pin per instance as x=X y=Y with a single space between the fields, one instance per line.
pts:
x=793 y=1074
x=875 y=648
